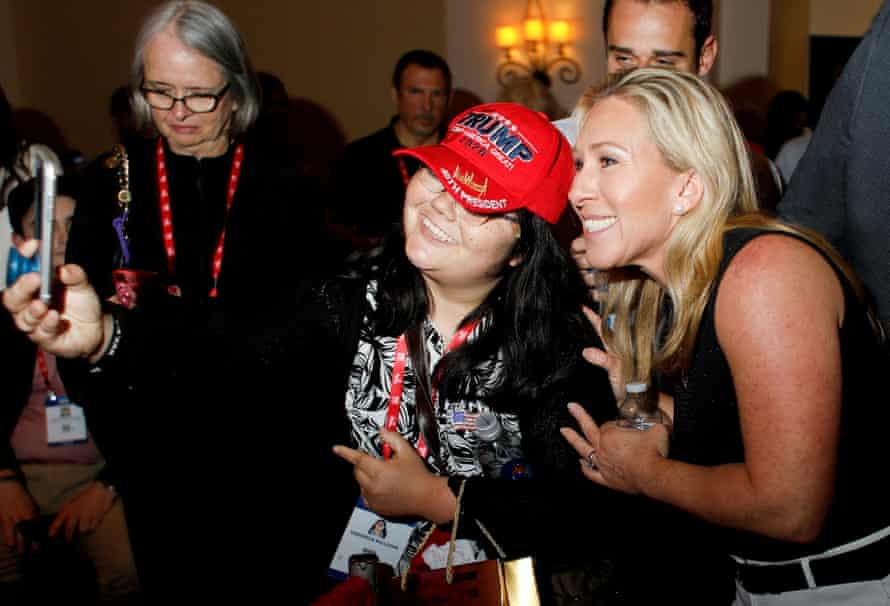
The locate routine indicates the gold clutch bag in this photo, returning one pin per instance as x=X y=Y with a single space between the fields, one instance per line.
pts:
x=500 y=582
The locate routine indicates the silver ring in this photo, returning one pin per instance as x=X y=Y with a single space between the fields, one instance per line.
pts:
x=588 y=460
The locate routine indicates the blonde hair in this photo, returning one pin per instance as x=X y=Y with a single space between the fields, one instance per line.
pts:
x=694 y=130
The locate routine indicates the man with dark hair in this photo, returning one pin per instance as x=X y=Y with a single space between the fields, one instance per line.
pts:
x=660 y=35
x=368 y=183
x=424 y=59
x=673 y=34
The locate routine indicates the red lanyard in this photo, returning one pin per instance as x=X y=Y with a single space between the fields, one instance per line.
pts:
x=44 y=370
x=167 y=215
x=404 y=170
x=398 y=379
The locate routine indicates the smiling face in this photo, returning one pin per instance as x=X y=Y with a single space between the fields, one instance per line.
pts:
x=178 y=70
x=450 y=245
x=624 y=192
x=655 y=34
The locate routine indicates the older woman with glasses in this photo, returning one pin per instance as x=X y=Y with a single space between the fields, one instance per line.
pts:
x=198 y=208
x=175 y=234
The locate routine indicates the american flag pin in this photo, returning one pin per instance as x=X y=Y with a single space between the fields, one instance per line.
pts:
x=464 y=421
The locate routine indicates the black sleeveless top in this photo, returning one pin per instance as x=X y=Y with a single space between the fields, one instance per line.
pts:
x=707 y=429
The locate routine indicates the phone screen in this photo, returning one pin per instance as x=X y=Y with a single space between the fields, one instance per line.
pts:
x=44 y=212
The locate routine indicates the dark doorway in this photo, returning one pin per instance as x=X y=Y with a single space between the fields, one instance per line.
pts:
x=828 y=56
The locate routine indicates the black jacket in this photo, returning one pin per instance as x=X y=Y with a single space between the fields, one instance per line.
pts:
x=841 y=185
x=207 y=448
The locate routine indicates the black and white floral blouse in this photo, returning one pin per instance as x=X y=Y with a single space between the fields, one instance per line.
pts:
x=368 y=391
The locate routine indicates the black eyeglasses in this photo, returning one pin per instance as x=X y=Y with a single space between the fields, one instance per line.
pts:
x=198 y=103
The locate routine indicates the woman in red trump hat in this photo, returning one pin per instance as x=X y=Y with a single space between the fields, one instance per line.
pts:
x=469 y=346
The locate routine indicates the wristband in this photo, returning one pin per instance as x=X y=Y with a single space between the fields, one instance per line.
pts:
x=112 y=347
x=115 y=340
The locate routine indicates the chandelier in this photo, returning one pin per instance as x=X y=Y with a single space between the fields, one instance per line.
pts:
x=544 y=49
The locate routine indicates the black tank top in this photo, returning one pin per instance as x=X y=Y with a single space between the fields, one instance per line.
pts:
x=707 y=430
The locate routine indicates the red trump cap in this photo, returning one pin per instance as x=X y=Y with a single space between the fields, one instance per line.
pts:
x=501 y=157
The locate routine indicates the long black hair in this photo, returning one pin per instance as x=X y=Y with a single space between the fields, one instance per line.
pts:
x=532 y=318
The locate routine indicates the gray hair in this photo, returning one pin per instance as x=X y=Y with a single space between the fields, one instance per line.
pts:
x=206 y=29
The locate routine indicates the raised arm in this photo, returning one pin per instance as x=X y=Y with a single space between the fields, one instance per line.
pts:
x=778 y=314
x=77 y=329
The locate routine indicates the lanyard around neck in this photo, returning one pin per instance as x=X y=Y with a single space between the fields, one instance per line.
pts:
x=167 y=214
x=43 y=367
x=404 y=170
x=398 y=380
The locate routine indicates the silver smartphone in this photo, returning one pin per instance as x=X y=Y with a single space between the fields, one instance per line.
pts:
x=44 y=213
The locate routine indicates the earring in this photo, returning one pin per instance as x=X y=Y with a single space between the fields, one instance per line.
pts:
x=679 y=209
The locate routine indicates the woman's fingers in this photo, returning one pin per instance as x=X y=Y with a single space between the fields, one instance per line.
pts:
x=585 y=445
x=49 y=326
x=592 y=471
x=576 y=441
x=350 y=455
x=399 y=445
x=29 y=318
x=29 y=247
x=603 y=358
x=73 y=276
x=598 y=357
x=594 y=320
x=364 y=466
x=578 y=250
x=21 y=293
x=597 y=322
x=586 y=423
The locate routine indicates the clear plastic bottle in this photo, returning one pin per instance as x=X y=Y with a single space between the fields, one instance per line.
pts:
x=639 y=409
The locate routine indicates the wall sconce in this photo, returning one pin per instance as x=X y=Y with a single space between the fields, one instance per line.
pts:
x=545 y=43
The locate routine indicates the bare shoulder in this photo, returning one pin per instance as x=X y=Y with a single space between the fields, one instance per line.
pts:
x=782 y=277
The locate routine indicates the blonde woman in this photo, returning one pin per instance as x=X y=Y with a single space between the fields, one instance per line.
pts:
x=774 y=356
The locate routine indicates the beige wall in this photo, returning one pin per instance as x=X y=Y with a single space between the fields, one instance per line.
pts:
x=474 y=57
x=845 y=18
x=338 y=53
x=789 y=58
x=9 y=76
x=66 y=58
x=789 y=42
x=743 y=35
x=70 y=57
